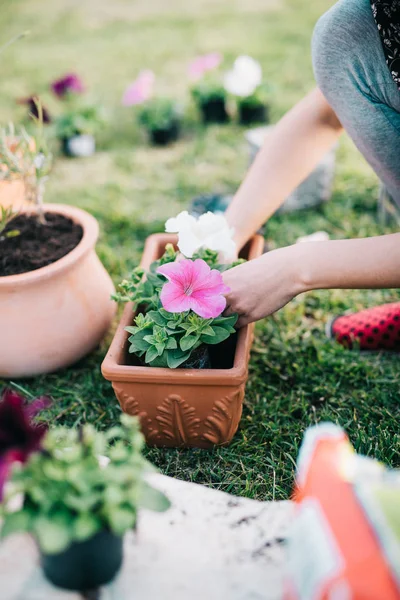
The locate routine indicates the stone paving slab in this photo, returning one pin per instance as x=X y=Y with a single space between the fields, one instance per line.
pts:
x=208 y=546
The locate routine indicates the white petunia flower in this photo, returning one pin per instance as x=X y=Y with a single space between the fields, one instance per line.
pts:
x=244 y=78
x=181 y=221
x=208 y=231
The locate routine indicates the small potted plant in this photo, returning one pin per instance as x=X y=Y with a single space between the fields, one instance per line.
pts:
x=80 y=492
x=244 y=81
x=207 y=88
x=77 y=126
x=182 y=367
x=162 y=118
x=49 y=271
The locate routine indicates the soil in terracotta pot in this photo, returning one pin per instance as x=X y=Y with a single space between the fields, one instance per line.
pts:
x=37 y=244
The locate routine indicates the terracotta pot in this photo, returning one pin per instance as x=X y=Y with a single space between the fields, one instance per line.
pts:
x=53 y=316
x=12 y=193
x=182 y=407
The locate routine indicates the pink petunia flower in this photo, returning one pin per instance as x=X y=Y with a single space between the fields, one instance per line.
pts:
x=202 y=64
x=19 y=437
x=140 y=90
x=68 y=84
x=193 y=286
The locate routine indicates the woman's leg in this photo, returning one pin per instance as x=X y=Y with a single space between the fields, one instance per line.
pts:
x=351 y=71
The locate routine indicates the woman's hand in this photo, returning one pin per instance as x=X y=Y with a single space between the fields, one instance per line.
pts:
x=262 y=286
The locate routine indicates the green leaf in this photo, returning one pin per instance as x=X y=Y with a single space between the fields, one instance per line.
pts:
x=220 y=334
x=157 y=317
x=82 y=502
x=151 y=354
x=226 y=321
x=188 y=342
x=152 y=499
x=15 y=522
x=53 y=535
x=160 y=348
x=171 y=344
x=121 y=519
x=85 y=526
x=176 y=358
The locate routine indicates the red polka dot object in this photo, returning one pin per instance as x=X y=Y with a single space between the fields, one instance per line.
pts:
x=376 y=328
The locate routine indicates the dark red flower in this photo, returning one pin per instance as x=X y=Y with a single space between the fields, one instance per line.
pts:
x=68 y=84
x=32 y=103
x=19 y=437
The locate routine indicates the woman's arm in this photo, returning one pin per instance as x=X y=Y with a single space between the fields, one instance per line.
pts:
x=262 y=286
x=292 y=150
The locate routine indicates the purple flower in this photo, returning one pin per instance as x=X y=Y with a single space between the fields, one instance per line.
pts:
x=68 y=84
x=19 y=437
x=139 y=90
x=32 y=103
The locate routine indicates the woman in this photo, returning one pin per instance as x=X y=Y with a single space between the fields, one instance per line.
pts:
x=356 y=56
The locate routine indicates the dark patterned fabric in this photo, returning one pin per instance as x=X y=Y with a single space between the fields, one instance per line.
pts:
x=387 y=16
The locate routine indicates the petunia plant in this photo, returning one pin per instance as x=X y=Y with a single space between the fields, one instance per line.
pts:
x=80 y=483
x=245 y=82
x=180 y=302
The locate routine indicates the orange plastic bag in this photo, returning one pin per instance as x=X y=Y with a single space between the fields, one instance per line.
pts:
x=345 y=539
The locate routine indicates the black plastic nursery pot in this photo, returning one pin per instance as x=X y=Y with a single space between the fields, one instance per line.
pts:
x=214 y=111
x=85 y=566
x=249 y=115
x=166 y=135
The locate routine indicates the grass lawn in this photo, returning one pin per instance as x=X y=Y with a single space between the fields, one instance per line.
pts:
x=297 y=377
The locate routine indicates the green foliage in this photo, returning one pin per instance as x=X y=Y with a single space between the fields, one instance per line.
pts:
x=79 y=119
x=143 y=291
x=168 y=339
x=212 y=259
x=68 y=496
x=209 y=88
x=160 y=113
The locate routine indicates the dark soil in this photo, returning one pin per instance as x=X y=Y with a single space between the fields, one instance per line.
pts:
x=37 y=244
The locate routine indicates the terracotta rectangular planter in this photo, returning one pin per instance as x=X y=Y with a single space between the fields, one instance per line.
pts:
x=182 y=407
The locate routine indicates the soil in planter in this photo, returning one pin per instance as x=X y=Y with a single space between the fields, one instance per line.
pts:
x=37 y=244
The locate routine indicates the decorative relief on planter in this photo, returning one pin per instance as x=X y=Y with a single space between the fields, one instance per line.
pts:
x=130 y=405
x=220 y=425
x=178 y=421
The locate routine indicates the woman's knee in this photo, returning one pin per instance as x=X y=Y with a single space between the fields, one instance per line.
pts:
x=345 y=40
